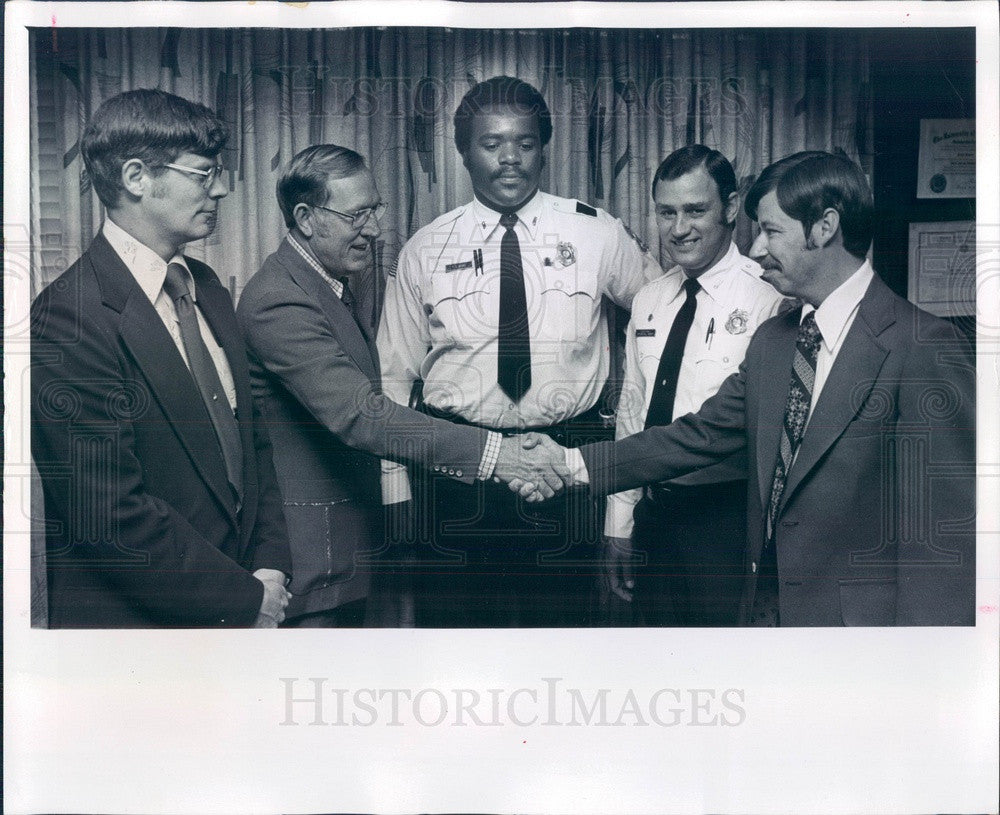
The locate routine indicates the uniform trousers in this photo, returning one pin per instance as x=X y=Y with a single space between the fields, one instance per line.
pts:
x=692 y=540
x=487 y=558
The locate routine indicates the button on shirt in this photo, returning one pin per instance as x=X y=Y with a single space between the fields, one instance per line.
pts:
x=149 y=271
x=732 y=303
x=440 y=317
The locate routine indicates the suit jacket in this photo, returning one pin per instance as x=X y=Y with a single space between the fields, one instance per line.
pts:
x=317 y=382
x=142 y=527
x=877 y=521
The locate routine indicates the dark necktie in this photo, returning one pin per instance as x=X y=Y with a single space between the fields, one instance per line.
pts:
x=206 y=376
x=796 y=411
x=347 y=298
x=514 y=346
x=661 y=403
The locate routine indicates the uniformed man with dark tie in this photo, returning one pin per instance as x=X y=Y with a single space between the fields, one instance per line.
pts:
x=497 y=309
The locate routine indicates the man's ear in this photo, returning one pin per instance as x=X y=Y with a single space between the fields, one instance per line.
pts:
x=136 y=177
x=824 y=230
x=303 y=214
x=731 y=208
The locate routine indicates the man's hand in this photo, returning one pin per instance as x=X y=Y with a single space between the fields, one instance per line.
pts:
x=532 y=465
x=276 y=597
x=617 y=575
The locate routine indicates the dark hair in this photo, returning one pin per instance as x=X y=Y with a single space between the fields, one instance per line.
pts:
x=811 y=182
x=303 y=181
x=500 y=91
x=151 y=125
x=686 y=159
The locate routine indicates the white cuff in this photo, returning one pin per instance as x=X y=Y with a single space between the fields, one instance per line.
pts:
x=395 y=483
x=577 y=466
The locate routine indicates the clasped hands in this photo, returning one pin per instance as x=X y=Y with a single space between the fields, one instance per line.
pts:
x=533 y=466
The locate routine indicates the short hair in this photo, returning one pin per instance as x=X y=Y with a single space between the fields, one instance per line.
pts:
x=304 y=179
x=810 y=182
x=147 y=124
x=687 y=159
x=500 y=91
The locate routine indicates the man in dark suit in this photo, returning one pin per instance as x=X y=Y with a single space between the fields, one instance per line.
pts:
x=857 y=416
x=160 y=497
x=316 y=377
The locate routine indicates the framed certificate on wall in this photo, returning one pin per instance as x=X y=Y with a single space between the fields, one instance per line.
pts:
x=942 y=276
x=947 y=158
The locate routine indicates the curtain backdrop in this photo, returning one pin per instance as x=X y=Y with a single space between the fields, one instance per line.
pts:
x=621 y=101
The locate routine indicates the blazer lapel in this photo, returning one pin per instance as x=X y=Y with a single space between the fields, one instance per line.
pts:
x=170 y=381
x=847 y=387
x=775 y=376
x=348 y=332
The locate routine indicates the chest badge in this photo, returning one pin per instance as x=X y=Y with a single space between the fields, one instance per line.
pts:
x=567 y=253
x=737 y=321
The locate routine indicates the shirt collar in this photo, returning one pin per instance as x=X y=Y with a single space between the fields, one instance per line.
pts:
x=713 y=277
x=487 y=219
x=147 y=267
x=336 y=285
x=835 y=311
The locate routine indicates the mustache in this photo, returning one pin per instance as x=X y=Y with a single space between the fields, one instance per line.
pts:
x=507 y=173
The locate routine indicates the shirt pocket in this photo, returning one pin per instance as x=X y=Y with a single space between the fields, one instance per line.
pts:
x=567 y=303
x=715 y=361
x=463 y=305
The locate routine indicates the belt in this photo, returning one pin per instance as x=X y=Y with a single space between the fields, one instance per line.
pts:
x=672 y=495
x=591 y=425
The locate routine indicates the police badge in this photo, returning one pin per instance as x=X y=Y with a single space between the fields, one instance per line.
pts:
x=737 y=322
x=567 y=253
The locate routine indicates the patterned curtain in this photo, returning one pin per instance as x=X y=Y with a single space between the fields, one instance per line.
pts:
x=621 y=101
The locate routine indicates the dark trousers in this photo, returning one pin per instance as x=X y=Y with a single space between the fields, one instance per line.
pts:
x=692 y=539
x=486 y=558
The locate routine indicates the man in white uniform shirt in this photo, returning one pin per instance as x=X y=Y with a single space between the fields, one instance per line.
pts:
x=497 y=308
x=686 y=531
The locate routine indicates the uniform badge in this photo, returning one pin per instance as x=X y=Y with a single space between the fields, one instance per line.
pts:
x=567 y=253
x=737 y=322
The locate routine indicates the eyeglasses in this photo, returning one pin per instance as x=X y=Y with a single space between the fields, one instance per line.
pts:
x=209 y=176
x=359 y=218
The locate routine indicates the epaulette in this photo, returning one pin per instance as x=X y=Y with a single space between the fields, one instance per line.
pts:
x=448 y=217
x=586 y=209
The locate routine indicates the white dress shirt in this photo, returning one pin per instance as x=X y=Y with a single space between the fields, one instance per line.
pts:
x=732 y=302
x=150 y=272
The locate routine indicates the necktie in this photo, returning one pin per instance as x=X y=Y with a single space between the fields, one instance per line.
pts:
x=514 y=346
x=347 y=298
x=661 y=403
x=796 y=411
x=206 y=376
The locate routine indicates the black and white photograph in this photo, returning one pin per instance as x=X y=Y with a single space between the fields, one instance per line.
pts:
x=534 y=357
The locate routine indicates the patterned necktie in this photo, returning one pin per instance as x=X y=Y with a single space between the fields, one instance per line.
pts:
x=206 y=376
x=796 y=411
x=514 y=341
x=661 y=403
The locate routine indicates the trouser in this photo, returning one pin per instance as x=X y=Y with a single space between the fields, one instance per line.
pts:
x=487 y=558
x=693 y=539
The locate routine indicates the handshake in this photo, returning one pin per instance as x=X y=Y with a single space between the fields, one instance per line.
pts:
x=533 y=466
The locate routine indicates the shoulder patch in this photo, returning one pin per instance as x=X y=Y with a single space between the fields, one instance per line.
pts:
x=585 y=209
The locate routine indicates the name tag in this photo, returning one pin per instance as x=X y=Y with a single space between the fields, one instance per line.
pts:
x=454 y=267
x=645 y=332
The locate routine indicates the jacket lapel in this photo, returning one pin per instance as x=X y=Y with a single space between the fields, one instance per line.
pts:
x=847 y=387
x=216 y=305
x=170 y=381
x=775 y=376
x=341 y=320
